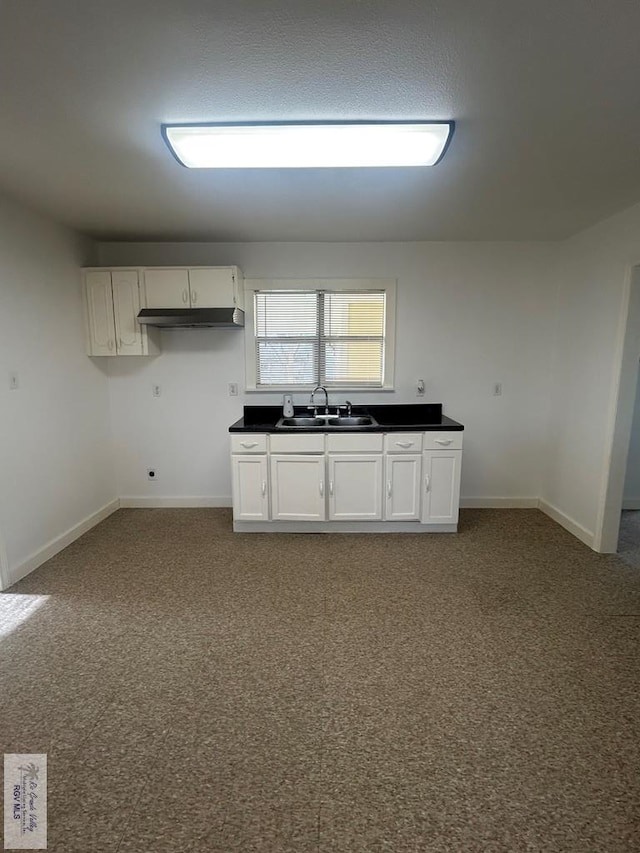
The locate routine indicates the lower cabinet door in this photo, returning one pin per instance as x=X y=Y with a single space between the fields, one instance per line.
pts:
x=250 y=488
x=402 y=486
x=297 y=487
x=441 y=486
x=355 y=487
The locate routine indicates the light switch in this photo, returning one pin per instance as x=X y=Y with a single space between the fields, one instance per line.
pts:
x=14 y=382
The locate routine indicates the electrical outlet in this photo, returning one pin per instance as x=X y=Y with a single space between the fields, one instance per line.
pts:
x=156 y=390
x=233 y=389
x=497 y=389
x=152 y=474
x=420 y=388
x=14 y=382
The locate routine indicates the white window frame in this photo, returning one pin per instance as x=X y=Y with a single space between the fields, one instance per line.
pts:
x=388 y=285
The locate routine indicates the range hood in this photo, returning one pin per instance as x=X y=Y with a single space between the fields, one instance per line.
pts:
x=191 y=318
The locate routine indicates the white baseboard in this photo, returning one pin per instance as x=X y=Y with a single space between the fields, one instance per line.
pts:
x=56 y=545
x=580 y=532
x=133 y=502
x=4 y=565
x=499 y=503
x=631 y=503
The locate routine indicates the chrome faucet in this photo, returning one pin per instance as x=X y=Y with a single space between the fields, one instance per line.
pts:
x=312 y=401
x=347 y=404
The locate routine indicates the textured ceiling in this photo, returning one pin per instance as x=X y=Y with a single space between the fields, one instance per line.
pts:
x=545 y=95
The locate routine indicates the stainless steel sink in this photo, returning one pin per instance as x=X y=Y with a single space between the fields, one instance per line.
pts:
x=300 y=422
x=326 y=423
x=363 y=420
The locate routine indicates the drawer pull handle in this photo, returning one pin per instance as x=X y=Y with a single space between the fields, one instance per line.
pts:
x=426 y=483
x=264 y=488
x=404 y=443
x=249 y=443
x=443 y=440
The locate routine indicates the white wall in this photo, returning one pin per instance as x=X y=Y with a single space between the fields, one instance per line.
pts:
x=591 y=275
x=468 y=315
x=632 y=478
x=55 y=450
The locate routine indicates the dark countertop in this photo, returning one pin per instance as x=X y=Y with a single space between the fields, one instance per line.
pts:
x=405 y=417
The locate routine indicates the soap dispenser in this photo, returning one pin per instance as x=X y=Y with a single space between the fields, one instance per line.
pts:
x=287 y=406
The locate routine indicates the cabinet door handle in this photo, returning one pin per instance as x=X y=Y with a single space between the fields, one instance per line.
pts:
x=264 y=488
x=443 y=440
x=331 y=487
x=249 y=443
x=321 y=489
x=404 y=443
x=426 y=483
x=194 y=296
x=110 y=345
x=121 y=343
x=185 y=296
x=389 y=488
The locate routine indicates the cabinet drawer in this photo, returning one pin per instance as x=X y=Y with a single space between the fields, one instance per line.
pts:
x=443 y=440
x=354 y=442
x=289 y=443
x=403 y=442
x=248 y=442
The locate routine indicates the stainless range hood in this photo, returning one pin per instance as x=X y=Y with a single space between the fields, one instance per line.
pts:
x=192 y=318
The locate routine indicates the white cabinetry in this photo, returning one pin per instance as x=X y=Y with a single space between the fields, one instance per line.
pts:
x=250 y=487
x=193 y=287
x=297 y=487
x=346 y=481
x=112 y=301
x=441 y=498
x=355 y=486
x=402 y=486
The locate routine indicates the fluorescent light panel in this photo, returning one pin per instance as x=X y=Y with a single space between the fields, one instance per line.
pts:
x=307 y=146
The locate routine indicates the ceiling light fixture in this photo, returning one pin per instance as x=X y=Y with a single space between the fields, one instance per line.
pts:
x=308 y=145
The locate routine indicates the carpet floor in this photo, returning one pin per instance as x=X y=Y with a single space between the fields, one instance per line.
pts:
x=201 y=691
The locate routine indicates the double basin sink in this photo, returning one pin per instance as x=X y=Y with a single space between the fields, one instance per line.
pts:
x=327 y=422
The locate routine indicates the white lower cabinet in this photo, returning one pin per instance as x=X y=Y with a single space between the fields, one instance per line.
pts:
x=346 y=481
x=297 y=487
x=402 y=486
x=441 y=491
x=355 y=486
x=250 y=488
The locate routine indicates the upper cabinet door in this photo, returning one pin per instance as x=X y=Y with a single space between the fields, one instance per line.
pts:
x=212 y=287
x=126 y=304
x=167 y=288
x=100 y=320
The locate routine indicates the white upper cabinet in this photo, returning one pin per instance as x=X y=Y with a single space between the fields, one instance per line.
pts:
x=167 y=288
x=101 y=331
x=194 y=287
x=112 y=302
x=126 y=305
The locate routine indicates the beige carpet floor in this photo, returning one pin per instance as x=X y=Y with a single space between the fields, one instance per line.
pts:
x=198 y=690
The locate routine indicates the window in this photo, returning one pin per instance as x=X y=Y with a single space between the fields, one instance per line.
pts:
x=333 y=334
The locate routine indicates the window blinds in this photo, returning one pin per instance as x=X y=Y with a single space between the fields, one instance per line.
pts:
x=320 y=337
